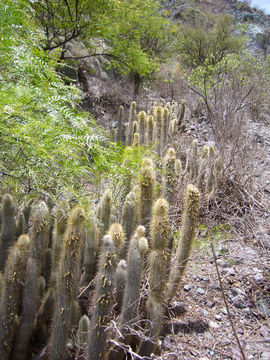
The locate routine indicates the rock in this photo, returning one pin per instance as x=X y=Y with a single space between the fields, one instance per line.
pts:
x=239 y=305
x=187 y=287
x=218 y=317
x=240 y=331
x=258 y=277
x=210 y=304
x=265 y=355
x=224 y=311
x=200 y=291
x=264 y=332
x=213 y=325
x=205 y=313
x=225 y=342
x=263 y=305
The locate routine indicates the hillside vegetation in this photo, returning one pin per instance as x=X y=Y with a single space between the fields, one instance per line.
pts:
x=130 y=134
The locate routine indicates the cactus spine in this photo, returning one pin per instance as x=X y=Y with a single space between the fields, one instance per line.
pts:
x=11 y=289
x=159 y=261
x=102 y=301
x=39 y=238
x=188 y=230
x=7 y=237
x=169 y=182
x=67 y=284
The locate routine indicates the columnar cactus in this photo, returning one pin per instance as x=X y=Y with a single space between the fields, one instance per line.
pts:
x=159 y=262
x=136 y=139
x=142 y=126
x=181 y=116
x=134 y=128
x=102 y=301
x=147 y=186
x=137 y=249
x=169 y=177
x=89 y=256
x=159 y=117
x=128 y=220
x=204 y=163
x=178 y=168
x=11 y=289
x=131 y=119
x=20 y=225
x=39 y=238
x=67 y=286
x=121 y=280
x=150 y=130
x=7 y=236
x=118 y=237
x=120 y=124
x=164 y=130
x=104 y=217
x=187 y=234
x=84 y=327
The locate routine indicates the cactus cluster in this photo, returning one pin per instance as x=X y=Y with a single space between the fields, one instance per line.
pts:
x=117 y=265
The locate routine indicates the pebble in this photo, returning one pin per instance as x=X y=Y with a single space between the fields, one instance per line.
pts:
x=187 y=287
x=263 y=331
x=200 y=291
x=205 y=313
x=213 y=325
x=210 y=304
x=224 y=311
x=225 y=342
x=258 y=277
x=240 y=331
x=218 y=317
x=265 y=355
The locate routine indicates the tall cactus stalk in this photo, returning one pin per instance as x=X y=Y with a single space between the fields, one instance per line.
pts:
x=7 y=236
x=120 y=124
x=89 y=256
x=39 y=238
x=181 y=116
x=150 y=130
x=104 y=217
x=137 y=249
x=159 y=262
x=102 y=301
x=11 y=292
x=187 y=231
x=128 y=220
x=117 y=234
x=67 y=286
x=20 y=225
x=159 y=117
x=142 y=126
x=131 y=119
x=164 y=130
x=169 y=177
x=147 y=186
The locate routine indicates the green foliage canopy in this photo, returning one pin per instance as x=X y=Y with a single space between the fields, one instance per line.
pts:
x=48 y=145
x=132 y=32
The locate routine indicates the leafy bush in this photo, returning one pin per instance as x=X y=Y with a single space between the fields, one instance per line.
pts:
x=48 y=145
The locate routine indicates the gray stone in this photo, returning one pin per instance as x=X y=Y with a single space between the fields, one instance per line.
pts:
x=213 y=325
x=187 y=287
x=218 y=317
x=200 y=291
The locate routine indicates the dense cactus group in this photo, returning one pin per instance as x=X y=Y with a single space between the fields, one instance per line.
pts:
x=116 y=266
